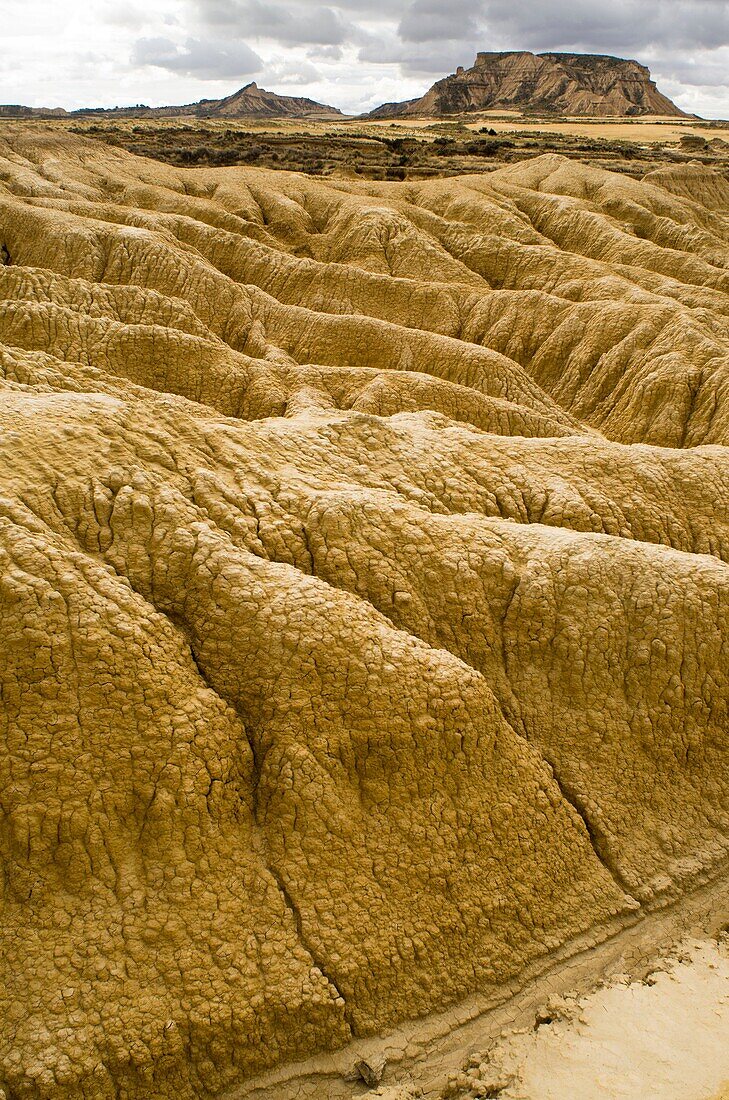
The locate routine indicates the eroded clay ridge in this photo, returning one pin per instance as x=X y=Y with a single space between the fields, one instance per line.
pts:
x=363 y=589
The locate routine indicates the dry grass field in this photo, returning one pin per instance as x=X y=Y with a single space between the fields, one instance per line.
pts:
x=406 y=148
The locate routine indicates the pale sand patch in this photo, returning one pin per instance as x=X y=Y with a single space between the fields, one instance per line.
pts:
x=666 y=1038
x=653 y=131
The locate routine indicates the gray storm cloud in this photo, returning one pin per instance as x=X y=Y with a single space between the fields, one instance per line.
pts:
x=286 y=23
x=428 y=36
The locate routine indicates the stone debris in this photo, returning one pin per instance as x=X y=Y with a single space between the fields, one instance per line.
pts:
x=372 y=1069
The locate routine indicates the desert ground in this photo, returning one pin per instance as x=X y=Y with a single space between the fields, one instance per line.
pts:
x=364 y=589
x=662 y=1037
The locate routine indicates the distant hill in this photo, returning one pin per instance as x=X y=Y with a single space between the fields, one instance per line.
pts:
x=559 y=83
x=16 y=110
x=254 y=102
x=248 y=102
x=547 y=83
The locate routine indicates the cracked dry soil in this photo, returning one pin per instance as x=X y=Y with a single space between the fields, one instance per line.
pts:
x=364 y=596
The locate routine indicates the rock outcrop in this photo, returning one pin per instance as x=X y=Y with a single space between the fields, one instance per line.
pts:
x=363 y=591
x=561 y=83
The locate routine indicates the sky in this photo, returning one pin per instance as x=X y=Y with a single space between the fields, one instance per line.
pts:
x=354 y=54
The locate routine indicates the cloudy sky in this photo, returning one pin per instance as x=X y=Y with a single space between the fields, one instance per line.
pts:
x=353 y=54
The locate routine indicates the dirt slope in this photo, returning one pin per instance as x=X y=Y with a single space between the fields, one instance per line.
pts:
x=364 y=595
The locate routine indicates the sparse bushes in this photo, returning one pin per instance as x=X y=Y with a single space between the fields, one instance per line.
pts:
x=373 y=154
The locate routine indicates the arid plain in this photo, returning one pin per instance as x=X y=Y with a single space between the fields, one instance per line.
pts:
x=408 y=148
x=364 y=587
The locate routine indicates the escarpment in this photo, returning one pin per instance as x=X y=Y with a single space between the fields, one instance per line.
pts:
x=364 y=596
x=565 y=83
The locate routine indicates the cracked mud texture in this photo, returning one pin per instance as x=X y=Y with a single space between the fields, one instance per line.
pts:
x=364 y=596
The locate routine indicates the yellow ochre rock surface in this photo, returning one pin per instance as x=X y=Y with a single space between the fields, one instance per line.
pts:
x=364 y=596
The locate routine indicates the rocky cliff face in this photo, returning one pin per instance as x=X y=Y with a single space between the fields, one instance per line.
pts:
x=567 y=84
x=363 y=597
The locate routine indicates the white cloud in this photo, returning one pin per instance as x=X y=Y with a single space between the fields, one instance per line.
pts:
x=325 y=53
x=293 y=72
x=206 y=59
x=426 y=59
x=703 y=69
x=352 y=53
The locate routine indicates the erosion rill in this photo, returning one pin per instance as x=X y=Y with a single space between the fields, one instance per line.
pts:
x=364 y=596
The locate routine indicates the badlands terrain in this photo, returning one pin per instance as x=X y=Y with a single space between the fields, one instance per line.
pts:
x=414 y=148
x=364 y=592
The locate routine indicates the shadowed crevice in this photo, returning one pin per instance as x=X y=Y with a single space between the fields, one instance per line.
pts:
x=598 y=843
x=306 y=943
